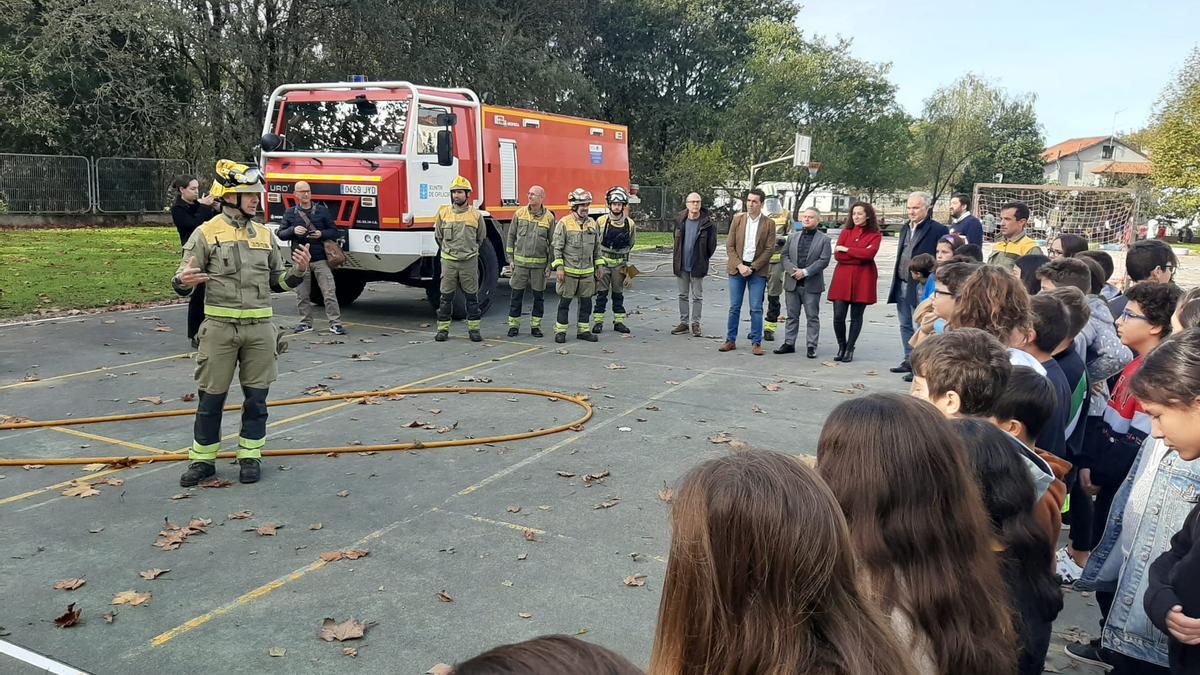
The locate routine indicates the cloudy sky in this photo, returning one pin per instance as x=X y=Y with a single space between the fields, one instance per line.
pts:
x=1085 y=61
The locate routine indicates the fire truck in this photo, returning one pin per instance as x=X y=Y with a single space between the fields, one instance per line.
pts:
x=380 y=156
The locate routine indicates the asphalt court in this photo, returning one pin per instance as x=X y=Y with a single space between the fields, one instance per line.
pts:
x=520 y=548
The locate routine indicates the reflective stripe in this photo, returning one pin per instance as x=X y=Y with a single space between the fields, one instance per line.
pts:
x=777 y=257
x=560 y=327
x=557 y=262
x=447 y=256
x=443 y=325
x=536 y=322
x=204 y=453
x=579 y=270
x=514 y=321
x=619 y=318
x=231 y=313
x=529 y=261
x=611 y=262
x=251 y=444
x=584 y=327
x=597 y=318
x=473 y=324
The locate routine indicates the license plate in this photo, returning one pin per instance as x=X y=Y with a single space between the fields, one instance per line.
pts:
x=360 y=190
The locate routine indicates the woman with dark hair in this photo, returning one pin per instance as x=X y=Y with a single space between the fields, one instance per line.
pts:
x=1026 y=553
x=189 y=212
x=548 y=655
x=995 y=301
x=762 y=578
x=1066 y=246
x=1025 y=268
x=921 y=533
x=855 y=278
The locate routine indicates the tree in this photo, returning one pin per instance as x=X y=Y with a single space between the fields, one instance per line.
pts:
x=1175 y=143
x=1015 y=150
x=697 y=167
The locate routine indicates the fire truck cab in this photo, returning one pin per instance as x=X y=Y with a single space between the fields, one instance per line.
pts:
x=381 y=155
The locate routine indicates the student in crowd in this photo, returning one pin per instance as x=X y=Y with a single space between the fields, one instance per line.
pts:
x=1026 y=551
x=1050 y=326
x=1025 y=268
x=1066 y=246
x=1147 y=260
x=1168 y=385
x=548 y=655
x=921 y=269
x=1152 y=503
x=1109 y=292
x=763 y=578
x=921 y=532
x=993 y=300
x=970 y=251
x=946 y=247
x=1097 y=273
x=932 y=314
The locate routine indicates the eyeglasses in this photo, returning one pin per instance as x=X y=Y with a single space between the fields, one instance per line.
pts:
x=1126 y=314
x=693 y=201
x=944 y=294
x=1169 y=269
x=1055 y=252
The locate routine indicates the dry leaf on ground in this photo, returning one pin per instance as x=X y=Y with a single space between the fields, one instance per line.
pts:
x=525 y=615
x=94 y=467
x=513 y=508
x=608 y=504
x=615 y=366
x=216 y=483
x=444 y=596
x=70 y=617
x=757 y=409
x=109 y=616
x=349 y=651
x=566 y=474
x=346 y=630
x=276 y=651
x=80 y=490
x=110 y=481
x=593 y=477
x=771 y=386
x=155 y=573
x=267 y=530
x=315 y=526
x=344 y=493
x=31 y=467
x=240 y=515
x=132 y=598
x=164 y=329
x=666 y=494
x=69 y=584
x=635 y=580
x=156 y=400
x=530 y=535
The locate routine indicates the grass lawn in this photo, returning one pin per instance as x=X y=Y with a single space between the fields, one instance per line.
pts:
x=55 y=270
x=649 y=240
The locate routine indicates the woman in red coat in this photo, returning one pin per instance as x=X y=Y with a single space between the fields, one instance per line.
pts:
x=856 y=277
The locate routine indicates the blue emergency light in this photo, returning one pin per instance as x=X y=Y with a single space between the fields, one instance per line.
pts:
x=358 y=79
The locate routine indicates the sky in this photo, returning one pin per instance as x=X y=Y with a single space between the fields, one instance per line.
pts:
x=1085 y=61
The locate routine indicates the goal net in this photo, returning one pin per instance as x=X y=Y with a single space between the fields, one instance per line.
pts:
x=1103 y=215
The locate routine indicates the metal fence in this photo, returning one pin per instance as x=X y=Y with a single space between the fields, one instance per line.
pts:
x=135 y=185
x=659 y=206
x=45 y=184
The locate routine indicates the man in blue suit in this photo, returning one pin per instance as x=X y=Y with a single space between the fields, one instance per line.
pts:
x=963 y=222
x=919 y=236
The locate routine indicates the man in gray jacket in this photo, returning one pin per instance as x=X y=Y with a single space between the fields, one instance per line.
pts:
x=805 y=257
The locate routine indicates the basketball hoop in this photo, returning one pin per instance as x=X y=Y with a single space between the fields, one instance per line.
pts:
x=813 y=168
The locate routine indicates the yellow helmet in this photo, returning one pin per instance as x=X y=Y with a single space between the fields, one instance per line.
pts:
x=460 y=183
x=234 y=178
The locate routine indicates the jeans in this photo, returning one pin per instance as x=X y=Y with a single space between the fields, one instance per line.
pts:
x=738 y=285
x=693 y=286
x=904 y=310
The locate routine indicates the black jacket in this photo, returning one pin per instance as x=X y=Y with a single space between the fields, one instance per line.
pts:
x=928 y=233
x=319 y=215
x=1173 y=581
x=187 y=217
x=706 y=243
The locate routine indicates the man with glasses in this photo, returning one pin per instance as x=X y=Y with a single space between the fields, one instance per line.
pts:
x=695 y=242
x=308 y=222
x=749 y=246
x=527 y=243
x=1147 y=260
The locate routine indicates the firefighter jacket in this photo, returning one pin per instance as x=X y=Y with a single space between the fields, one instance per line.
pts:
x=781 y=233
x=576 y=246
x=616 y=239
x=243 y=264
x=528 y=239
x=459 y=232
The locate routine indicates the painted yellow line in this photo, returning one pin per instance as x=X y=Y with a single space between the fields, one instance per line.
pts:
x=489 y=521
x=103 y=369
x=34 y=493
x=113 y=441
x=165 y=637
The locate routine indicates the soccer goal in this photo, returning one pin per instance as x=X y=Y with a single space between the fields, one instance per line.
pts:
x=1103 y=215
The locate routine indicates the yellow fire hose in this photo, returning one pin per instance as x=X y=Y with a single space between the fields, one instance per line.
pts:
x=387 y=447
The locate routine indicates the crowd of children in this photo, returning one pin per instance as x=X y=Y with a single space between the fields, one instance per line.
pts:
x=924 y=540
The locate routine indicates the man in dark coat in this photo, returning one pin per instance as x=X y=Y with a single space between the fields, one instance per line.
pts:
x=309 y=222
x=919 y=236
x=963 y=222
x=695 y=241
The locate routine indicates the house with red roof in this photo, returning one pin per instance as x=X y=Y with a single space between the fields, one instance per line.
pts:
x=1086 y=161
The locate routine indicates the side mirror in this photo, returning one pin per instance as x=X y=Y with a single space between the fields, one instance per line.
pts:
x=447 y=119
x=445 y=147
x=271 y=142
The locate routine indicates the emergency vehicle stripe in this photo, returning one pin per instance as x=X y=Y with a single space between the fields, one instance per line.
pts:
x=231 y=313
x=323 y=177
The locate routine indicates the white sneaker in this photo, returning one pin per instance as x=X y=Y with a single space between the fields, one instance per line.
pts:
x=1067 y=569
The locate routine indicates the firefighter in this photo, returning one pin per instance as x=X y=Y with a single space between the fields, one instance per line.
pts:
x=775 y=276
x=527 y=244
x=617 y=232
x=576 y=255
x=240 y=265
x=459 y=230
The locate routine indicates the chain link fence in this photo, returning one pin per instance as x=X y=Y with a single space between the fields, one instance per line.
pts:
x=659 y=205
x=45 y=184
x=136 y=185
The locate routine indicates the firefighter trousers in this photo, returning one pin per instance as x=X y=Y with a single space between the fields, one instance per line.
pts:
x=534 y=279
x=774 y=291
x=564 y=315
x=612 y=280
x=250 y=348
x=459 y=275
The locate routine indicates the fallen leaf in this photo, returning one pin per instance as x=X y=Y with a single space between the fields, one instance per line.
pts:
x=369 y=400
x=355 y=553
x=69 y=584
x=721 y=437
x=318 y=390
x=70 y=617
x=366 y=356
x=738 y=446
x=595 y=387
x=94 y=467
x=267 y=530
x=593 y=477
x=423 y=325
x=334 y=376
x=435 y=411
x=110 y=481
x=188 y=397
x=530 y=535
x=843 y=391
x=395 y=397
x=155 y=573
x=109 y=616
x=240 y=515
x=672 y=381
x=413 y=425
x=771 y=386
x=444 y=596
x=666 y=494
x=513 y=508
x=216 y=483
x=164 y=329
x=95 y=530
x=872 y=372
x=349 y=651
x=475 y=378
x=653 y=408
x=522 y=556
x=757 y=409
x=562 y=352
x=859 y=385
x=331 y=556
x=132 y=598
x=181 y=495
x=346 y=630
x=314 y=526
x=525 y=615
x=80 y=490
x=31 y=467
x=156 y=400
x=615 y=366
x=625 y=429
x=608 y=504
x=829 y=364
x=635 y=580
x=344 y=493
x=276 y=651
x=566 y=474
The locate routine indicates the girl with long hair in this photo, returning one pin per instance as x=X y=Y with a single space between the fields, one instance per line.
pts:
x=548 y=655
x=1026 y=552
x=856 y=277
x=762 y=578
x=995 y=301
x=920 y=530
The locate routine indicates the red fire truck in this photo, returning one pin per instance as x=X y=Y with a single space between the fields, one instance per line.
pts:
x=380 y=156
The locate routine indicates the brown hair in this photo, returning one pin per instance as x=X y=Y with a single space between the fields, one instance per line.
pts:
x=901 y=475
x=1068 y=272
x=1187 y=309
x=1050 y=322
x=953 y=273
x=1170 y=373
x=921 y=265
x=762 y=578
x=548 y=655
x=872 y=224
x=1078 y=311
x=993 y=300
x=967 y=361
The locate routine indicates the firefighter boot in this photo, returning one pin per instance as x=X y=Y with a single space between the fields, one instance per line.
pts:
x=536 y=329
x=196 y=472
x=206 y=439
x=250 y=470
x=560 y=338
x=474 y=335
x=253 y=435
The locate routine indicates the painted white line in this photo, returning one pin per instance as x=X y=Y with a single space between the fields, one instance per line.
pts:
x=37 y=660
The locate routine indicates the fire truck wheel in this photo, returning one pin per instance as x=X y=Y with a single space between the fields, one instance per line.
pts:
x=349 y=287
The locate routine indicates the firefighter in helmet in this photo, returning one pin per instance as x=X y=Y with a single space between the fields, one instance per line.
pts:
x=576 y=246
x=780 y=217
x=616 y=241
x=527 y=244
x=240 y=265
x=460 y=230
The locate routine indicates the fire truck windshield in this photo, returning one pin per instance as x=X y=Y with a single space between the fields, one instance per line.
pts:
x=344 y=126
